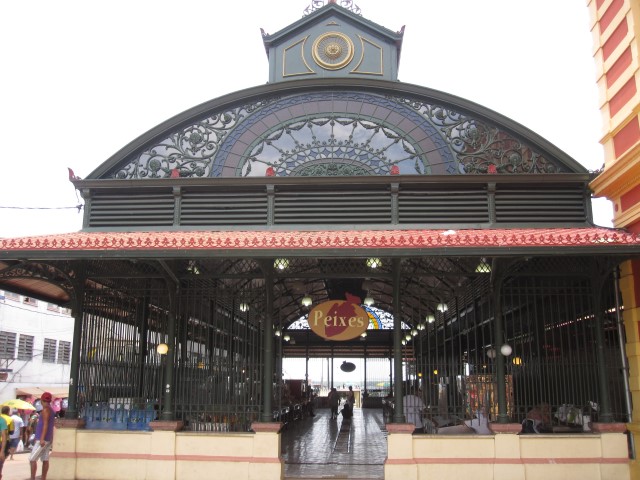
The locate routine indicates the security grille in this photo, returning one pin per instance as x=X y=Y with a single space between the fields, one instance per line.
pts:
x=126 y=209
x=314 y=206
x=443 y=206
x=525 y=204
x=223 y=208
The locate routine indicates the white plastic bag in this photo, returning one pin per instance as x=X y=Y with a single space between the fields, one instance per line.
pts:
x=20 y=447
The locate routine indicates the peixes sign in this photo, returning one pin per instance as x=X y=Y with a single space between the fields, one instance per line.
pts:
x=338 y=320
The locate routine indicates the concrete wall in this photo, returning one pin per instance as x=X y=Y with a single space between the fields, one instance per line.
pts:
x=169 y=455
x=164 y=455
x=595 y=456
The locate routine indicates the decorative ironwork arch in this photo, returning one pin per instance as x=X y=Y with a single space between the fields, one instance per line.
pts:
x=327 y=132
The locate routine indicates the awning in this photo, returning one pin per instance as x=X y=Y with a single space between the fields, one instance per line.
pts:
x=178 y=243
x=56 y=392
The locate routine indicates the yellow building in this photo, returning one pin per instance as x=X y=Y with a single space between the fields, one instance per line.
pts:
x=615 y=28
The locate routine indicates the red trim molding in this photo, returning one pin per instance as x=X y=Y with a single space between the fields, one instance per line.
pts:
x=400 y=427
x=512 y=461
x=266 y=427
x=505 y=427
x=77 y=423
x=309 y=240
x=166 y=425
x=608 y=427
x=155 y=457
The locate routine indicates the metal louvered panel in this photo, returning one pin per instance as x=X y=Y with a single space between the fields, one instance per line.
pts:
x=335 y=207
x=443 y=206
x=223 y=208
x=540 y=205
x=126 y=209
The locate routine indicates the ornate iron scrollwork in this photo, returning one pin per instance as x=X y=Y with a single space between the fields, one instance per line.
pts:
x=317 y=4
x=188 y=151
x=481 y=147
x=372 y=135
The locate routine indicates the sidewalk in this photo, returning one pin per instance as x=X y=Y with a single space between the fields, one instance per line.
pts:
x=18 y=468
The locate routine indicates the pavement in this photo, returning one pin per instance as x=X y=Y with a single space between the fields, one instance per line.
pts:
x=18 y=468
x=320 y=447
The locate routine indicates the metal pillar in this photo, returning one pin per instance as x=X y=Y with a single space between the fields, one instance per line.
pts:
x=267 y=375
x=141 y=314
x=398 y=411
x=390 y=372
x=622 y=341
x=605 y=415
x=625 y=361
x=78 y=314
x=170 y=357
x=365 y=369
x=501 y=384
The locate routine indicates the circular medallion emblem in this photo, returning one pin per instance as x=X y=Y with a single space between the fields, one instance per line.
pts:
x=332 y=50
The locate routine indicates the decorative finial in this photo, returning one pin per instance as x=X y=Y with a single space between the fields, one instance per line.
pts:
x=317 y=4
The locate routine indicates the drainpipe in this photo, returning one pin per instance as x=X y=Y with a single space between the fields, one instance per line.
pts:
x=267 y=376
x=398 y=410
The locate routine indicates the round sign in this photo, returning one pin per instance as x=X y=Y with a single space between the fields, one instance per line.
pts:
x=338 y=320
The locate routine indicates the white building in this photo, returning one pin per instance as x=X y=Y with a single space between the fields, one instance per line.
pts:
x=35 y=346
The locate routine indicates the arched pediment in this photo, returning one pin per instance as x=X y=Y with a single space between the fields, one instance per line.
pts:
x=336 y=127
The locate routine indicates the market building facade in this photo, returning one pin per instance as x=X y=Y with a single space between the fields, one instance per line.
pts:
x=335 y=182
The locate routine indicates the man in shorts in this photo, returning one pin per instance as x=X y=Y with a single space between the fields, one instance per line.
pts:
x=4 y=441
x=43 y=438
x=16 y=436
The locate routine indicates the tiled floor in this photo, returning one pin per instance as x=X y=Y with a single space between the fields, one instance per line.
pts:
x=319 y=447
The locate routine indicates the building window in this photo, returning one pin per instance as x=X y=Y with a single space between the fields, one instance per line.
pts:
x=30 y=301
x=7 y=345
x=12 y=296
x=52 y=307
x=25 y=347
x=49 y=351
x=64 y=352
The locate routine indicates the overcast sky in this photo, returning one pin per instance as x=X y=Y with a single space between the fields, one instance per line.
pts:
x=83 y=78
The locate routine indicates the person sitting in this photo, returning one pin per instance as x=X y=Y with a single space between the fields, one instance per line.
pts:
x=347 y=411
x=538 y=419
x=414 y=406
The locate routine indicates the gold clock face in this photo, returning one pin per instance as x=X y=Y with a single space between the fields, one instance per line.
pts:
x=332 y=50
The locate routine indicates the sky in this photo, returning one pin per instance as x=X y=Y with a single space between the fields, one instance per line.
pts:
x=82 y=79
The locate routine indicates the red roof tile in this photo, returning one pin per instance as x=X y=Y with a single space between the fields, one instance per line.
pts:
x=305 y=240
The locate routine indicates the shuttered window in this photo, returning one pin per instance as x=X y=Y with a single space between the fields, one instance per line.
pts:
x=7 y=345
x=25 y=347
x=49 y=351
x=64 y=352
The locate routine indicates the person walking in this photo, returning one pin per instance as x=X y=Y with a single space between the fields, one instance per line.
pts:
x=334 y=402
x=351 y=397
x=43 y=438
x=16 y=436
